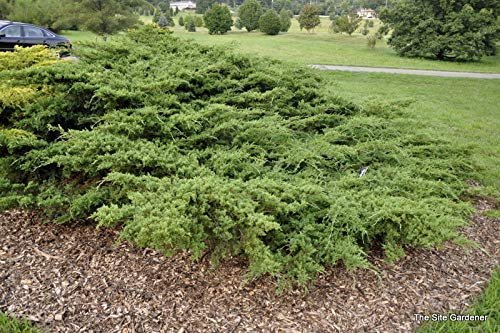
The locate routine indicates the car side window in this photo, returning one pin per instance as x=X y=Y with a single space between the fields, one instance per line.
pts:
x=12 y=31
x=32 y=32
x=47 y=33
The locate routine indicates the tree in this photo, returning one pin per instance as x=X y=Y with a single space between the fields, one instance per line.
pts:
x=52 y=14
x=5 y=8
x=181 y=21
x=309 y=18
x=156 y=16
x=371 y=41
x=365 y=29
x=162 y=21
x=462 y=30
x=176 y=10
x=270 y=23
x=285 y=20
x=190 y=25
x=237 y=24
x=249 y=14
x=203 y=5
x=170 y=20
x=105 y=17
x=346 y=23
x=198 y=21
x=218 y=19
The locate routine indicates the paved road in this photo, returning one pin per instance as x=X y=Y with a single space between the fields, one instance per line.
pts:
x=406 y=71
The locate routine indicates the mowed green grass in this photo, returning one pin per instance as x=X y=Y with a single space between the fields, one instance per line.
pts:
x=317 y=47
x=323 y=47
x=465 y=111
x=79 y=36
x=10 y=324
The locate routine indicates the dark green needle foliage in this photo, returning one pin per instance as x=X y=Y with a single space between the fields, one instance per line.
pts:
x=249 y=14
x=218 y=20
x=190 y=147
x=461 y=30
x=286 y=20
x=270 y=23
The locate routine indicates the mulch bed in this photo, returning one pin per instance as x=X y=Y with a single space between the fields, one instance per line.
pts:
x=76 y=278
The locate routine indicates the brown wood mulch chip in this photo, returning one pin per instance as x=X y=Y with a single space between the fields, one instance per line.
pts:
x=76 y=278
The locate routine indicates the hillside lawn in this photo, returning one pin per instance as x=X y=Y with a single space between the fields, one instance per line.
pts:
x=462 y=110
x=323 y=47
x=317 y=47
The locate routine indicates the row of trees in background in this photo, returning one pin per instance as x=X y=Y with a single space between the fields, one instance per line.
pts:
x=100 y=16
x=324 y=7
x=252 y=16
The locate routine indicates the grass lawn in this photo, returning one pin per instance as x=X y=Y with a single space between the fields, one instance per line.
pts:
x=318 y=47
x=322 y=47
x=79 y=36
x=12 y=325
x=462 y=110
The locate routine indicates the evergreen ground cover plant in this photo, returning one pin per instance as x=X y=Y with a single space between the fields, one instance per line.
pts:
x=190 y=147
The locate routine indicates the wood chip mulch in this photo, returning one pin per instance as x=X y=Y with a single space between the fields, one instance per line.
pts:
x=76 y=278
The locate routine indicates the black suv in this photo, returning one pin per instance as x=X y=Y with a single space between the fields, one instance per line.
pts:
x=23 y=34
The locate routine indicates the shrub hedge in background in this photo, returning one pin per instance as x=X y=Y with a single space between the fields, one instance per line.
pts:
x=270 y=23
x=191 y=147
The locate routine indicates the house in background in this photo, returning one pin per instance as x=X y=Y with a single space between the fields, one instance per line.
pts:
x=366 y=13
x=183 y=5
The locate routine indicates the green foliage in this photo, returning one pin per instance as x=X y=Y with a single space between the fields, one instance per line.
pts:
x=166 y=20
x=162 y=21
x=105 y=17
x=190 y=24
x=12 y=325
x=371 y=41
x=270 y=23
x=346 y=23
x=309 y=18
x=198 y=21
x=218 y=19
x=495 y=213
x=52 y=14
x=5 y=8
x=462 y=30
x=365 y=31
x=181 y=21
x=26 y=57
x=237 y=24
x=249 y=14
x=203 y=5
x=285 y=19
x=486 y=305
x=226 y=154
x=156 y=16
